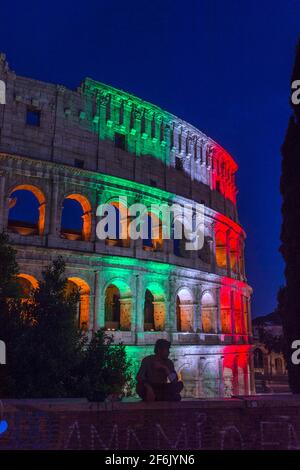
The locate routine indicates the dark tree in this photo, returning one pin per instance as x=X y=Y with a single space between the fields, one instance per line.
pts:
x=47 y=356
x=105 y=369
x=289 y=296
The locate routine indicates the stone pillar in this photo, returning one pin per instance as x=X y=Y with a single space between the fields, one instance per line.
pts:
x=243 y=316
x=196 y=315
x=101 y=305
x=250 y=332
x=87 y=226
x=212 y=248
x=138 y=323
x=94 y=320
x=232 y=312
x=102 y=114
x=221 y=377
x=228 y=253
x=218 y=310
x=54 y=228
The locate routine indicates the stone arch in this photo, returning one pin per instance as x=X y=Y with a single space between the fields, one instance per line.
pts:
x=122 y=224
x=179 y=226
x=221 y=249
x=27 y=283
x=238 y=315
x=184 y=309
x=118 y=305
x=187 y=374
x=154 y=308
x=210 y=378
x=83 y=312
x=241 y=260
x=154 y=229
x=225 y=305
x=258 y=358
x=279 y=365
x=208 y=312
x=233 y=254
x=21 y=226
x=83 y=231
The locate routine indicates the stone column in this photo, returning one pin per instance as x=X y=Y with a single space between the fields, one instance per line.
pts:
x=54 y=212
x=138 y=315
x=243 y=322
x=218 y=310
x=100 y=304
x=221 y=377
x=228 y=253
x=196 y=315
x=250 y=332
x=232 y=312
x=102 y=114
x=94 y=321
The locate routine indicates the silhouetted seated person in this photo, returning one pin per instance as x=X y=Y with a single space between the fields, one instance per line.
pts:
x=157 y=379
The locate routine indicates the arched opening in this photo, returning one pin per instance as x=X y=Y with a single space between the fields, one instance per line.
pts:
x=241 y=258
x=112 y=308
x=184 y=310
x=27 y=284
x=208 y=311
x=210 y=379
x=238 y=317
x=228 y=381
x=179 y=244
x=233 y=254
x=226 y=310
x=76 y=218
x=118 y=304
x=154 y=309
x=153 y=241
x=122 y=238
x=245 y=314
x=258 y=357
x=221 y=256
x=205 y=253
x=278 y=365
x=76 y=284
x=149 y=311
x=27 y=210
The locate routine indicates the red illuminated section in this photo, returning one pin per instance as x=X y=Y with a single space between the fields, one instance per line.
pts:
x=235 y=292
x=223 y=173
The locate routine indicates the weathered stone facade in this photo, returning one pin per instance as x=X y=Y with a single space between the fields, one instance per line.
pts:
x=91 y=146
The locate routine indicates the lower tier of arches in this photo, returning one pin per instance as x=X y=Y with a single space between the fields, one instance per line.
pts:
x=207 y=371
x=206 y=317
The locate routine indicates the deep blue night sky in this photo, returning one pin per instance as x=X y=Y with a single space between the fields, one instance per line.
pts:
x=222 y=65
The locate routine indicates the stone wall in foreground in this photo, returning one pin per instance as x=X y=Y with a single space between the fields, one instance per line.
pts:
x=243 y=423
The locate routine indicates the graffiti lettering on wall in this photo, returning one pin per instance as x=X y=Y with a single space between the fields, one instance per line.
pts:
x=41 y=430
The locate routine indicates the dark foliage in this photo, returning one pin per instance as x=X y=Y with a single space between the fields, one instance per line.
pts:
x=47 y=356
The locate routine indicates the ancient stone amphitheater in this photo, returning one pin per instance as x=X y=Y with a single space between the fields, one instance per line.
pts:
x=64 y=152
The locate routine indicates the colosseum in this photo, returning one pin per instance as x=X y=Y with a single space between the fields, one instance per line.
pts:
x=64 y=152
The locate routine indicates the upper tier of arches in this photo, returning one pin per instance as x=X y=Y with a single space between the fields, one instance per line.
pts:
x=72 y=217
